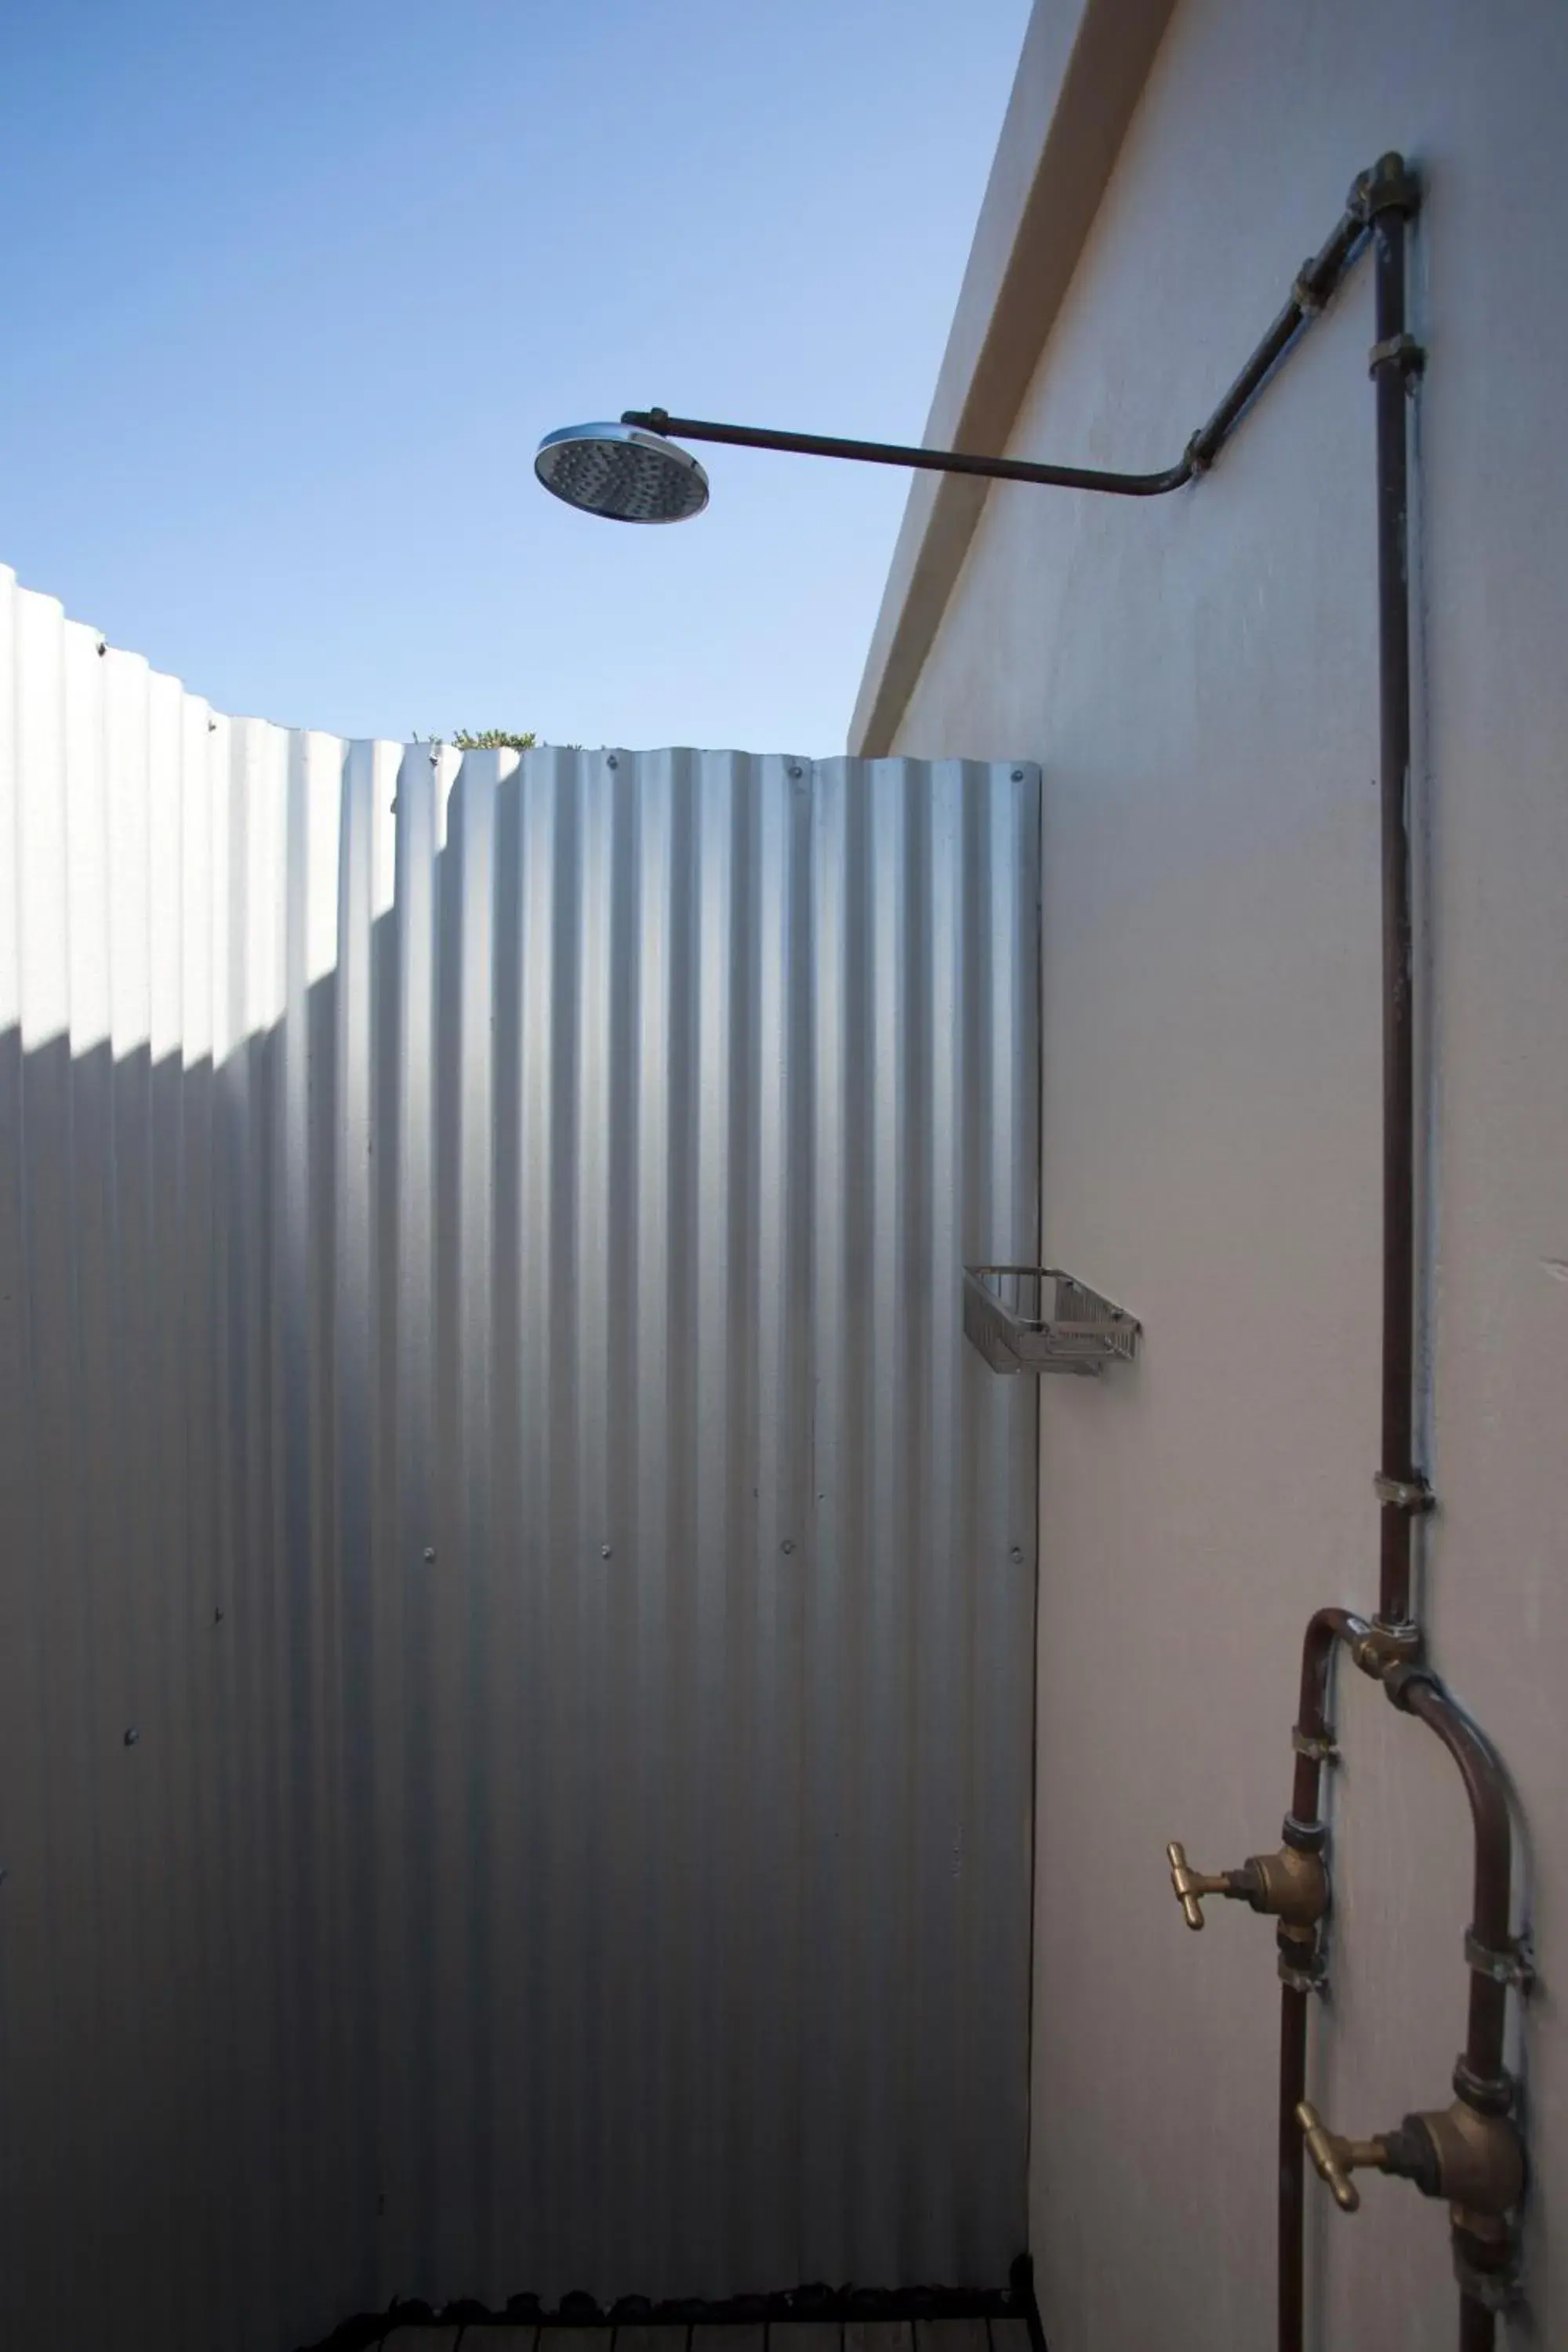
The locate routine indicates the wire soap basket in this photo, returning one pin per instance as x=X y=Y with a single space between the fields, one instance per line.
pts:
x=1036 y=1318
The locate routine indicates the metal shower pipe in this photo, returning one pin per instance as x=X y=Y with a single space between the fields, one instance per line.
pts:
x=1390 y=1648
x=1314 y=285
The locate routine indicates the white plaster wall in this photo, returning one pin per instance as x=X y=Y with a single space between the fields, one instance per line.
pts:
x=1197 y=676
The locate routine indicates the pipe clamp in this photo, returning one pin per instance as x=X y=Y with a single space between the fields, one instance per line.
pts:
x=1413 y=1495
x=1514 y=1967
x=1401 y=351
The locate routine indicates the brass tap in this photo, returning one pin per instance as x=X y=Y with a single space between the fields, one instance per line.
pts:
x=1472 y=2159
x=1334 y=2159
x=1291 y=1886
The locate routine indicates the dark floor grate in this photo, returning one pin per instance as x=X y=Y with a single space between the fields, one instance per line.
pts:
x=807 y=2319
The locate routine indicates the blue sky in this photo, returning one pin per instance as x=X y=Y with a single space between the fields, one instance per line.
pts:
x=291 y=291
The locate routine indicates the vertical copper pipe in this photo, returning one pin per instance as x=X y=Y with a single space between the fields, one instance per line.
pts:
x=1325 y=1631
x=1478 y=2326
x=1292 y=2168
x=1398 y=1023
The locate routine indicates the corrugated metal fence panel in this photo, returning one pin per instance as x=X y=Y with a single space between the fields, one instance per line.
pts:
x=484 y=1403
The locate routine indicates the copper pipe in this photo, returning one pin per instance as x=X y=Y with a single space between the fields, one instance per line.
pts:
x=1386 y=186
x=1382 y=204
x=1384 y=199
x=1417 y=1692
x=1329 y=1627
x=1324 y=1632
x=1485 y=1786
x=1478 y=2326
x=1292 y=2169
x=1383 y=195
x=1481 y=2082
x=1389 y=197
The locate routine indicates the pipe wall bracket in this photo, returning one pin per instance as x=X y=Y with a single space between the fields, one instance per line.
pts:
x=1515 y=1966
x=1412 y=1495
x=1402 y=351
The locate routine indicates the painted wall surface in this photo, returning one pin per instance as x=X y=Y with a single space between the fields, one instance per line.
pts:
x=1197 y=677
x=516 y=1599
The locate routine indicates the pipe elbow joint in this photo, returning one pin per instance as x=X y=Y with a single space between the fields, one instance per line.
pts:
x=1390 y=187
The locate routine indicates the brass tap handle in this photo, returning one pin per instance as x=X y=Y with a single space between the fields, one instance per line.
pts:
x=1334 y=2159
x=1190 y=1885
x=1323 y=2148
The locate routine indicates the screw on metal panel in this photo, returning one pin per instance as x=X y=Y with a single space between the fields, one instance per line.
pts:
x=1017 y=775
x=787 y=1545
x=212 y=726
x=102 y=646
x=605 y=1552
x=1017 y=1553
x=132 y=1738
x=795 y=774
x=429 y=1552
x=612 y=762
x=217 y=1616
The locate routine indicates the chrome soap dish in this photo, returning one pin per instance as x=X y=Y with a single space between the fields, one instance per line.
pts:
x=1036 y=1318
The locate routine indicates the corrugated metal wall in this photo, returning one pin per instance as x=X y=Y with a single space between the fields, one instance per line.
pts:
x=516 y=1655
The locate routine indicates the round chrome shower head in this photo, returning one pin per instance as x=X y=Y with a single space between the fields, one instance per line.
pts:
x=621 y=471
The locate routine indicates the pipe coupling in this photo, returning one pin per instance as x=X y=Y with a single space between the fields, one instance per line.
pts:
x=1384 y=1647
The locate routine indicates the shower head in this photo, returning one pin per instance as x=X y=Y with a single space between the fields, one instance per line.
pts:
x=622 y=471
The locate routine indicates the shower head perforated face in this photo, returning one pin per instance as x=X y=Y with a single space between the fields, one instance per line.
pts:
x=620 y=471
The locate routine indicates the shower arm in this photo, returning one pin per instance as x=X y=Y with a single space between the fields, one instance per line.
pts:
x=1390 y=1648
x=1314 y=286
